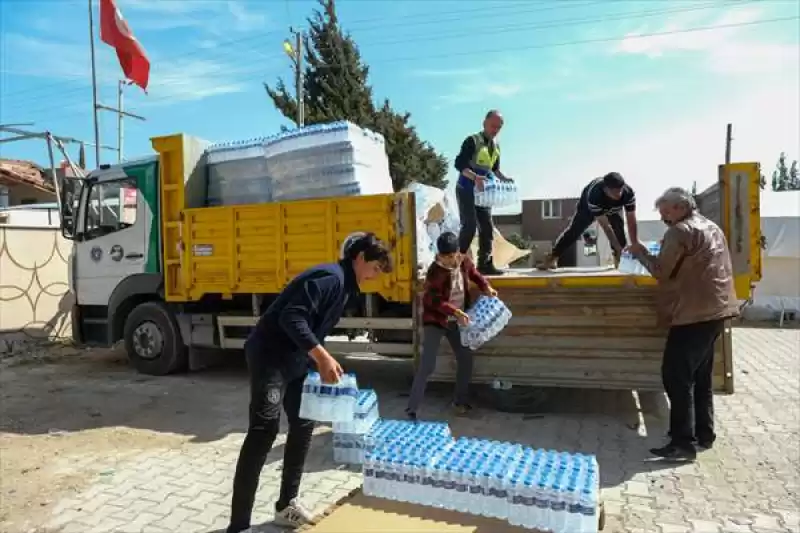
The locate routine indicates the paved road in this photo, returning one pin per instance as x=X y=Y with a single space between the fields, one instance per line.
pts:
x=747 y=484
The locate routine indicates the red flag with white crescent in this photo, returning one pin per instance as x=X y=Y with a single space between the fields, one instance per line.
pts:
x=114 y=31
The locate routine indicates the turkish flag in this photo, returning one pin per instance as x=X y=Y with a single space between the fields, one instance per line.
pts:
x=114 y=31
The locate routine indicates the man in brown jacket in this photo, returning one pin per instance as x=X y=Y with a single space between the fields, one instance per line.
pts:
x=696 y=295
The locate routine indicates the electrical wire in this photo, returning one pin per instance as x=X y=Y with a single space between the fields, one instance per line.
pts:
x=354 y=26
x=427 y=37
x=542 y=46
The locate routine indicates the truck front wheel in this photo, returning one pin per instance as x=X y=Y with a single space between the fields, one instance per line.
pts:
x=153 y=340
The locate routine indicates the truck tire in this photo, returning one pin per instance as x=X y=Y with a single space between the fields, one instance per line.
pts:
x=153 y=340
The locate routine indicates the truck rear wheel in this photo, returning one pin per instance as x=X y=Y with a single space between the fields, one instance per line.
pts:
x=153 y=340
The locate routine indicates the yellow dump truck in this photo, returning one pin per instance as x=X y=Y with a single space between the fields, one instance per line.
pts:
x=152 y=266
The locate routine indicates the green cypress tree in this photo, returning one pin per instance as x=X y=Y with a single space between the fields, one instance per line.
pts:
x=336 y=87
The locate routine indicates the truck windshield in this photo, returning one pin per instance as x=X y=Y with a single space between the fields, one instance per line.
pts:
x=110 y=207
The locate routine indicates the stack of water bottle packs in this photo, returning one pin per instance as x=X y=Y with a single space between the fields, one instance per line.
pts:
x=421 y=463
x=487 y=317
x=350 y=438
x=319 y=161
x=535 y=489
x=496 y=193
x=630 y=265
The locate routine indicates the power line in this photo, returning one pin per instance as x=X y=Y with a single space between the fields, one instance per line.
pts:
x=541 y=46
x=453 y=17
x=354 y=26
x=505 y=29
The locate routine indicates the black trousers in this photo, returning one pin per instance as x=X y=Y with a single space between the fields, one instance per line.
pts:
x=268 y=390
x=687 y=372
x=474 y=218
x=580 y=222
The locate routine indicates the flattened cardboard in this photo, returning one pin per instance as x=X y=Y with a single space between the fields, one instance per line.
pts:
x=363 y=514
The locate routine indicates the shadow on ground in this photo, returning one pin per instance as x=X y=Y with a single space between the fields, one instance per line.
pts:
x=98 y=389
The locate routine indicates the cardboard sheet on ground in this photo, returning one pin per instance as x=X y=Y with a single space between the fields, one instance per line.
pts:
x=362 y=514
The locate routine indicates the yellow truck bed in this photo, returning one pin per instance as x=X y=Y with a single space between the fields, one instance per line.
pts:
x=257 y=249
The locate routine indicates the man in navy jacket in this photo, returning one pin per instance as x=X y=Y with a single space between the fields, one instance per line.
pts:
x=285 y=343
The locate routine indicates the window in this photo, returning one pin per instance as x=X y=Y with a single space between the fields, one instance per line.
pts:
x=111 y=208
x=551 y=209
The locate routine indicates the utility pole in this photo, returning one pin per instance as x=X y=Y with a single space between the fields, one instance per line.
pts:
x=299 y=80
x=295 y=53
x=94 y=88
x=728 y=142
x=120 y=114
x=120 y=134
x=96 y=106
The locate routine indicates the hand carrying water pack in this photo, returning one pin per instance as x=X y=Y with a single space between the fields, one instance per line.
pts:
x=488 y=316
x=496 y=193
x=628 y=264
x=329 y=402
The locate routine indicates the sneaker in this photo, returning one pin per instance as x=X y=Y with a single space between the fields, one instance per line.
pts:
x=294 y=515
x=675 y=453
x=411 y=415
x=548 y=264
x=462 y=409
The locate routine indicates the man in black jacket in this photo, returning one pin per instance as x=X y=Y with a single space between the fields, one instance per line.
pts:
x=603 y=199
x=479 y=156
x=286 y=341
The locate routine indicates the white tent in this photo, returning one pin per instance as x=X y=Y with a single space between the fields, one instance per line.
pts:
x=779 y=288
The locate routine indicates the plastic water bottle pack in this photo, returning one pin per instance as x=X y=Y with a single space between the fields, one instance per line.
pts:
x=630 y=265
x=488 y=316
x=349 y=438
x=329 y=402
x=554 y=491
x=534 y=489
x=496 y=193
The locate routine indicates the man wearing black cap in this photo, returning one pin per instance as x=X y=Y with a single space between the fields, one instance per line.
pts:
x=602 y=200
x=285 y=343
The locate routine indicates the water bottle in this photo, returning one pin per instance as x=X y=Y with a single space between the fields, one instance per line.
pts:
x=587 y=503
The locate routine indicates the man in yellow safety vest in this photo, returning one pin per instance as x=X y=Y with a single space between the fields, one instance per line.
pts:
x=479 y=156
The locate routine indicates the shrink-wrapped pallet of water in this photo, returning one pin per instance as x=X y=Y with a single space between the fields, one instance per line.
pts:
x=327 y=160
x=237 y=174
x=436 y=212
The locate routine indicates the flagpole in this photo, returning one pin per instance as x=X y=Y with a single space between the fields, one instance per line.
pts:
x=94 y=88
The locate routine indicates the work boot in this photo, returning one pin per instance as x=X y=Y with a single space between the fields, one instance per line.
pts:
x=488 y=269
x=549 y=263
x=486 y=266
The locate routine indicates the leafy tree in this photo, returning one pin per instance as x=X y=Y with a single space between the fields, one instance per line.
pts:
x=785 y=178
x=336 y=87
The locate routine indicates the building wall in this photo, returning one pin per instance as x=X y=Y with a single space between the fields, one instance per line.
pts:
x=35 y=300
x=537 y=228
x=25 y=194
x=508 y=229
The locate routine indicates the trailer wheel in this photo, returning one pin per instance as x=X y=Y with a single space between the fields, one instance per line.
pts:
x=153 y=340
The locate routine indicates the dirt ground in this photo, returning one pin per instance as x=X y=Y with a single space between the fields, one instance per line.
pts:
x=57 y=402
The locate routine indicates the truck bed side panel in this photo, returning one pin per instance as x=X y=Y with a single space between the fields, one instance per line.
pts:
x=605 y=338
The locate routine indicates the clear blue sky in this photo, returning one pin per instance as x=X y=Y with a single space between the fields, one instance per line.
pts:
x=584 y=85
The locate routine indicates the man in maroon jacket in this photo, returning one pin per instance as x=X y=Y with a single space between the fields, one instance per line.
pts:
x=445 y=299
